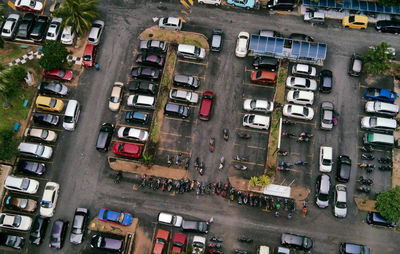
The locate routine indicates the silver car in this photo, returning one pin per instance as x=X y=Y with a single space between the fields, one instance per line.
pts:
x=301 y=83
x=179 y=95
x=340 y=201
x=133 y=134
x=54 y=29
x=327 y=115
x=10 y=26
x=262 y=106
x=170 y=23
x=96 y=32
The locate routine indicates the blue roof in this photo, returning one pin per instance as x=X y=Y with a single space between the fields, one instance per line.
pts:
x=354 y=5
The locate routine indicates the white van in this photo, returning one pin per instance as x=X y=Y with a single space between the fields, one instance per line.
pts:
x=191 y=52
x=71 y=115
x=378 y=124
x=382 y=108
x=325 y=158
x=377 y=139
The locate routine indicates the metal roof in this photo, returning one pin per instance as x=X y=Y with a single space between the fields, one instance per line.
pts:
x=354 y=5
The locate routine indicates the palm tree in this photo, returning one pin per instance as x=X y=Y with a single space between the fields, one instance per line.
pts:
x=5 y=83
x=79 y=14
x=2 y=9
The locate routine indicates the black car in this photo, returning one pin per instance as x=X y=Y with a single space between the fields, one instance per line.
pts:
x=343 y=168
x=53 y=88
x=375 y=218
x=38 y=230
x=325 y=81
x=57 y=235
x=217 y=40
x=187 y=81
x=266 y=63
x=356 y=64
x=388 y=26
x=31 y=167
x=45 y=119
x=301 y=37
x=195 y=226
x=104 y=137
x=12 y=241
x=151 y=59
x=78 y=225
x=142 y=87
x=176 y=110
x=145 y=73
x=296 y=241
x=26 y=26
x=136 y=117
x=353 y=248
x=39 y=29
x=106 y=243
x=154 y=46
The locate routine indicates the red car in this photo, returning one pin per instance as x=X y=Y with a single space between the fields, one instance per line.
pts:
x=89 y=55
x=264 y=77
x=162 y=237
x=206 y=106
x=178 y=243
x=127 y=149
x=59 y=74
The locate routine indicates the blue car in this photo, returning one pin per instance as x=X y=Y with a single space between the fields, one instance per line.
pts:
x=242 y=3
x=380 y=94
x=121 y=218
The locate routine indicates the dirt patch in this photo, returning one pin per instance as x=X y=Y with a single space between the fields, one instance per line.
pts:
x=396 y=167
x=142 y=242
x=4 y=172
x=299 y=194
x=365 y=204
x=101 y=226
x=12 y=51
x=79 y=47
x=239 y=183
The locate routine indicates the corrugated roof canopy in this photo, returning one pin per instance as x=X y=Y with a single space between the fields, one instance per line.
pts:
x=354 y=5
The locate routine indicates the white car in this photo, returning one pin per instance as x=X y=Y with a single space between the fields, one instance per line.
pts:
x=21 y=184
x=68 y=36
x=10 y=26
x=170 y=23
x=301 y=83
x=198 y=244
x=35 y=150
x=170 y=219
x=54 y=29
x=304 y=69
x=15 y=221
x=325 y=159
x=256 y=121
x=29 y=5
x=133 y=134
x=300 y=97
x=212 y=2
x=262 y=106
x=116 y=96
x=49 y=199
x=96 y=32
x=340 y=201
x=241 y=44
x=45 y=135
x=298 y=111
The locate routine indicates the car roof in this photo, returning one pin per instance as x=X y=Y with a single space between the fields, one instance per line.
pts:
x=296 y=109
x=258 y=119
x=173 y=20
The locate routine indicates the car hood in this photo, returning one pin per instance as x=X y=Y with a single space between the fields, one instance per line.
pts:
x=74 y=238
x=246 y=104
x=322 y=204
x=178 y=222
x=340 y=212
x=64 y=90
x=33 y=186
x=326 y=125
x=195 y=98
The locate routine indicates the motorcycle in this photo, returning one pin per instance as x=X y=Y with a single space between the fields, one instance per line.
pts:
x=245 y=198
x=364 y=189
x=177 y=186
x=240 y=167
x=182 y=187
x=156 y=184
x=202 y=188
x=217 y=239
x=201 y=168
x=287 y=122
x=226 y=134
x=232 y=194
x=215 y=245
x=238 y=251
x=218 y=188
x=385 y=168
x=283 y=153
x=196 y=163
x=170 y=185
x=240 y=158
x=367 y=156
x=163 y=185
x=384 y=160
x=243 y=135
x=192 y=184
x=365 y=181
x=212 y=143
x=118 y=177
x=240 y=198
x=214 y=251
x=365 y=165
x=367 y=149
x=244 y=239
x=306 y=135
x=187 y=163
x=303 y=139
x=208 y=189
x=285 y=165
x=301 y=163
x=143 y=183
x=225 y=190
x=169 y=161
x=198 y=188
x=178 y=160
x=287 y=134
x=286 y=205
x=221 y=163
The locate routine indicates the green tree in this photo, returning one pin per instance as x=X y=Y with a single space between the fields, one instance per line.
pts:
x=253 y=181
x=2 y=11
x=388 y=204
x=264 y=180
x=79 y=14
x=8 y=144
x=377 y=59
x=18 y=73
x=389 y=2
x=148 y=159
x=54 y=54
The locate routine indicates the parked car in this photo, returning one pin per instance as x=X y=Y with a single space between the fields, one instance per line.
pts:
x=217 y=37
x=78 y=225
x=375 y=218
x=133 y=134
x=48 y=103
x=170 y=23
x=178 y=243
x=151 y=59
x=198 y=244
x=355 y=21
x=68 y=36
x=45 y=119
x=195 y=226
x=35 y=150
x=353 y=248
x=314 y=16
x=145 y=73
x=11 y=241
x=29 y=5
x=54 y=30
x=266 y=63
x=153 y=46
x=325 y=158
x=322 y=190
x=325 y=81
x=256 y=121
x=301 y=83
x=161 y=241
x=170 y=219
x=206 y=105
x=301 y=37
x=340 y=201
x=355 y=66
x=343 y=168
x=141 y=101
x=187 y=81
x=143 y=87
x=378 y=124
x=300 y=97
x=116 y=96
x=304 y=70
x=96 y=32
x=15 y=221
x=296 y=241
x=52 y=88
x=26 y=26
x=59 y=74
x=184 y=96
x=120 y=218
x=9 y=29
x=380 y=94
x=298 y=111
x=89 y=55
x=381 y=108
x=58 y=232
x=49 y=199
x=31 y=167
x=127 y=150
x=21 y=184
x=136 y=117
x=270 y=33
x=327 y=115
x=104 y=138
x=262 y=106
x=106 y=243
x=20 y=204
x=40 y=134
x=263 y=77
x=388 y=26
x=176 y=110
x=248 y=4
x=55 y=6
x=241 y=44
x=38 y=230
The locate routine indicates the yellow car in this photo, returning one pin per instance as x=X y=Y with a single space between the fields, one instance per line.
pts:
x=50 y=104
x=355 y=21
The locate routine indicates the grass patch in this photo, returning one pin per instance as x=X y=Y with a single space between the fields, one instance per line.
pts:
x=11 y=51
x=154 y=131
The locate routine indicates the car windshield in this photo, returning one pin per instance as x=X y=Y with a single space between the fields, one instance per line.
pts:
x=259 y=74
x=341 y=204
x=114 y=99
x=372 y=121
x=198 y=244
x=305 y=111
x=190 y=80
x=351 y=19
x=308 y=83
x=11 y=240
x=45 y=134
x=46 y=204
x=25 y=184
x=160 y=240
x=17 y=221
x=326 y=162
x=68 y=119
x=23 y=203
x=197 y=51
x=323 y=197
x=296 y=94
x=121 y=217
x=53 y=103
x=61 y=73
x=40 y=150
x=54 y=239
x=121 y=147
x=87 y=58
x=48 y=118
x=179 y=244
x=57 y=87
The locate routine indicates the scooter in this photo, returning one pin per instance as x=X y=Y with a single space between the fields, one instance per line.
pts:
x=196 y=163
x=217 y=239
x=385 y=168
x=287 y=134
x=287 y=122
x=178 y=160
x=143 y=183
x=169 y=161
x=367 y=149
x=303 y=139
x=367 y=156
x=170 y=185
x=243 y=135
x=201 y=168
x=364 y=189
x=283 y=153
x=365 y=181
x=163 y=185
x=118 y=177
x=306 y=135
x=384 y=160
x=226 y=134
x=240 y=158
x=212 y=143
x=187 y=163
x=301 y=163
x=244 y=239
x=240 y=167
x=221 y=163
